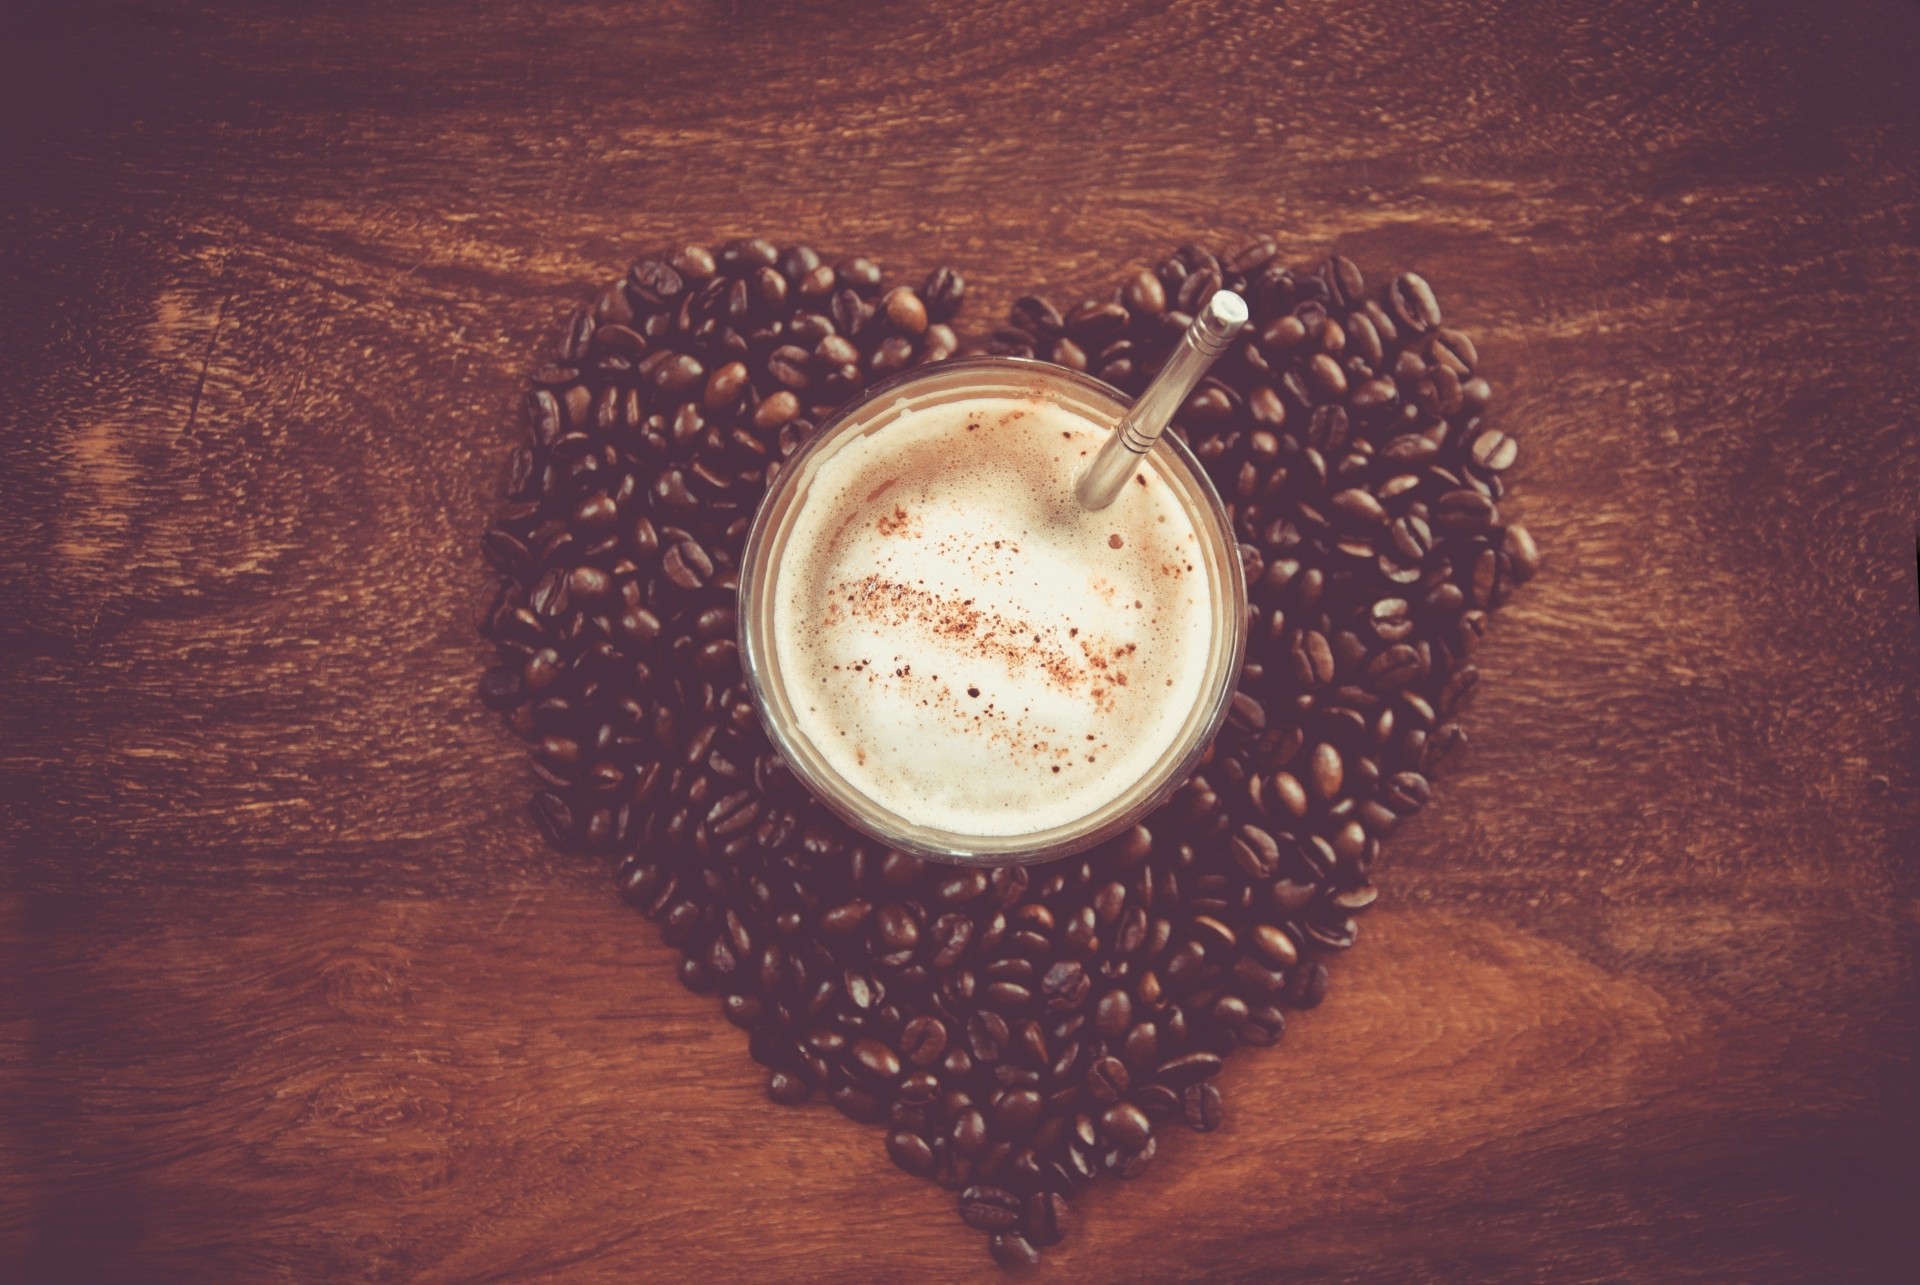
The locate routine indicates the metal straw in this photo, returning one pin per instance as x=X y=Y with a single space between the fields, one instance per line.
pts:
x=1135 y=435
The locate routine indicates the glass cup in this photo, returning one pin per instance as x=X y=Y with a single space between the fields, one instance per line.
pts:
x=1100 y=404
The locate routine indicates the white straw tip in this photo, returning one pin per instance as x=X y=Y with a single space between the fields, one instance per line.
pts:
x=1218 y=322
x=1227 y=308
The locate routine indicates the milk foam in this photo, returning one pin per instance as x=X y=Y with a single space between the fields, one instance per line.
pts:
x=968 y=646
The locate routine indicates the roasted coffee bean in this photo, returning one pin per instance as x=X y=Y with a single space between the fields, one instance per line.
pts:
x=879 y=1061
x=1189 y=1069
x=990 y=1208
x=1016 y=1113
x=1275 y=945
x=1143 y=295
x=1107 y=1080
x=905 y=311
x=1124 y=1164
x=1326 y=378
x=1012 y=1251
x=1245 y=714
x=1256 y=853
x=1261 y=1026
x=856 y=1104
x=687 y=565
x=911 y=1152
x=987 y=1035
x=861 y=275
x=1038 y=317
x=1202 y=1107
x=1044 y=1217
x=1093 y=325
x=1523 y=553
x=895 y=930
x=655 y=284
x=790 y=1089
x=1066 y=985
x=1464 y=512
x=943 y=291
x=983 y=1017
x=1126 y=1126
x=1307 y=985
x=1493 y=451
x=1414 y=306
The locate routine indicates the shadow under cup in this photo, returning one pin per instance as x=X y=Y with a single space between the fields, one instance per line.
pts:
x=953 y=381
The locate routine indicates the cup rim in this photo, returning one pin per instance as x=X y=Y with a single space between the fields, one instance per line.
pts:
x=832 y=789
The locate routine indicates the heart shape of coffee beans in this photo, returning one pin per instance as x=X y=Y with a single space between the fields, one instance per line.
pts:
x=1024 y=1032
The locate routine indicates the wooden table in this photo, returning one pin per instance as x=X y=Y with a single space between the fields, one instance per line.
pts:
x=294 y=990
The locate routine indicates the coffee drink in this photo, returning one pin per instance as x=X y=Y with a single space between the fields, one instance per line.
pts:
x=967 y=645
x=955 y=645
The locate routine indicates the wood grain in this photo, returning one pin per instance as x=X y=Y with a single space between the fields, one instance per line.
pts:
x=297 y=993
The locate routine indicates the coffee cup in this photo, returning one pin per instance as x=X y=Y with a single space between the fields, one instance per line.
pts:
x=952 y=653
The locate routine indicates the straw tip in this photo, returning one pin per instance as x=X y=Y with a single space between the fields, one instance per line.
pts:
x=1227 y=308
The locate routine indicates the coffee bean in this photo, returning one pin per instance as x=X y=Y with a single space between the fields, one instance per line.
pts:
x=1044 y=1217
x=905 y=311
x=1140 y=1049
x=1413 y=303
x=687 y=565
x=987 y=1035
x=1114 y=1013
x=1188 y=1069
x=1126 y=1126
x=1013 y=1251
x=1038 y=317
x=911 y=1152
x=1464 y=512
x=1125 y=1164
x=1524 y=554
x=856 y=1104
x=1094 y=324
x=1326 y=378
x=1317 y=658
x=1202 y=1107
x=1143 y=295
x=1245 y=714
x=879 y=1061
x=990 y=1208
x=1412 y=539
x=1326 y=771
x=1494 y=451
x=977 y=1015
x=970 y=1133
x=788 y=1088
x=860 y=274
x=943 y=291
x=678 y=373
x=1016 y=1113
x=1066 y=985
x=939 y=344
x=1451 y=348
x=1394 y=668
x=1307 y=985
x=654 y=283
x=1256 y=853
x=1274 y=944
x=1107 y=1080
x=775 y=410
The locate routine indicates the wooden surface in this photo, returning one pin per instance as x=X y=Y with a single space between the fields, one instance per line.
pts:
x=294 y=990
